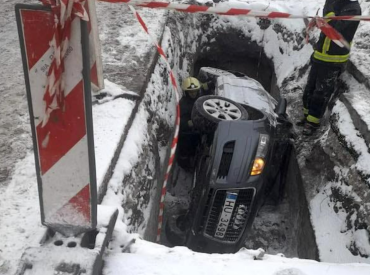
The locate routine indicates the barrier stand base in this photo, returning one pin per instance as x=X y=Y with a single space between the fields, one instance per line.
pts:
x=61 y=255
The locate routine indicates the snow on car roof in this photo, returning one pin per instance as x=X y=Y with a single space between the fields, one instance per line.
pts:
x=247 y=91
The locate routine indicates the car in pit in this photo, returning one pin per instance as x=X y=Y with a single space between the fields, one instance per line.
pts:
x=241 y=157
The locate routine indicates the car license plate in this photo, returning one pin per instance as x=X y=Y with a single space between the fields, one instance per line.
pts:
x=227 y=211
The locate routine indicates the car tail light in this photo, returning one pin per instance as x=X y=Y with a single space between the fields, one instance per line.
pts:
x=259 y=161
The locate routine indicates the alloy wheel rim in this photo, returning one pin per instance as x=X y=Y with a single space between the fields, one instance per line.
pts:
x=222 y=109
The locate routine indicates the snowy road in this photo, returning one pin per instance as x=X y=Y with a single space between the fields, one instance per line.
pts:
x=15 y=131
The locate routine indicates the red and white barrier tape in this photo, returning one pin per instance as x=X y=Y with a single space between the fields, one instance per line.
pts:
x=330 y=32
x=177 y=122
x=64 y=11
x=226 y=9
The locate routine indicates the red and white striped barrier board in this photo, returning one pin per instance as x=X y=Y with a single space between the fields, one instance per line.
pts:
x=177 y=121
x=57 y=75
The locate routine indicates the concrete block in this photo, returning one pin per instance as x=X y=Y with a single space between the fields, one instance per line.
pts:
x=82 y=254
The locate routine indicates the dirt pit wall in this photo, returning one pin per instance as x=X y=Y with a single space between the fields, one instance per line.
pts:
x=141 y=188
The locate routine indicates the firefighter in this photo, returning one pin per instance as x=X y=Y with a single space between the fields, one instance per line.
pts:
x=188 y=138
x=327 y=63
x=192 y=89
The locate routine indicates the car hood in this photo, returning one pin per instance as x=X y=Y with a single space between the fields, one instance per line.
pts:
x=233 y=151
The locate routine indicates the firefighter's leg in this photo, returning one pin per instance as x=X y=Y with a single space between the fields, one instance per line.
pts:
x=308 y=92
x=325 y=83
x=310 y=87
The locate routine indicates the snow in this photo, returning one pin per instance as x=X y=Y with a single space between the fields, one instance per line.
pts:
x=148 y=258
x=104 y=215
x=352 y=136
x=20 y=216
x=109 y=122
x=59 y=251
x=361 y=240
x=129 y=153
x=20 y=213
x=113 y=90
x=285 y=59
x=358 y=96
x=332 y=243
x=360 y=53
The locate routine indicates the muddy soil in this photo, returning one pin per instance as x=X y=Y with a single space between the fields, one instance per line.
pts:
x=270 y=230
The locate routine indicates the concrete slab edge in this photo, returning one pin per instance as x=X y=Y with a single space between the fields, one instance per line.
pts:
x=69 y=255
x=102 y=241
x=153 y=61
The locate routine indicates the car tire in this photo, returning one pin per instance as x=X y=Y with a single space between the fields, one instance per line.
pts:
x=208 y=111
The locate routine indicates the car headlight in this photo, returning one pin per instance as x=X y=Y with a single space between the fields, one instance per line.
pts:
x=258 y=166
x=259 y=161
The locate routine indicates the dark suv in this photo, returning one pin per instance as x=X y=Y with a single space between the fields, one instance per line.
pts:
x=241 y=157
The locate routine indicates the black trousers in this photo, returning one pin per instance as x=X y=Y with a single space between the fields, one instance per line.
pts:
x=320 y=87
x=186 y=149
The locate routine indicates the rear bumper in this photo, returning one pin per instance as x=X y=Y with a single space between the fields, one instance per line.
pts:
x=202 y=238
x=198 y=242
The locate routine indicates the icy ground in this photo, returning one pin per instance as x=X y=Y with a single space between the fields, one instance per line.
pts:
x=19 y=216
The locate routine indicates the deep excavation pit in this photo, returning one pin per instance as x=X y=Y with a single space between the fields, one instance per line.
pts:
x=284 y=228
x=191 y=41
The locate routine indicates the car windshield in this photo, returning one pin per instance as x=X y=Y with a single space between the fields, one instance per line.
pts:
x=247 y=91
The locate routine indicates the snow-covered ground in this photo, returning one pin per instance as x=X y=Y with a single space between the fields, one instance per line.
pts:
x=126 y=46
x=148 y=258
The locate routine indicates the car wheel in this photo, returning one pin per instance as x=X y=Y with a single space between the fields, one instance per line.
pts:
x=208 y=111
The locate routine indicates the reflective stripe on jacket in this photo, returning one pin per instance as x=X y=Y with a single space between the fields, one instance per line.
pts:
x=326 y=50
